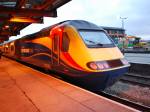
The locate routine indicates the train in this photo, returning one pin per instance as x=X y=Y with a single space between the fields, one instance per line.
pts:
x=77 y=49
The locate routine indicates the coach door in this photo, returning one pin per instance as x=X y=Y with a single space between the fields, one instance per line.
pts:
x=56 y=51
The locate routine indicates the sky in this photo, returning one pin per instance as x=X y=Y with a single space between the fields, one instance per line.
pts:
x=102 y=13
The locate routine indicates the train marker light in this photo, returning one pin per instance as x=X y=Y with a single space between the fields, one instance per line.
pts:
x=100 y=66
x=93 y=66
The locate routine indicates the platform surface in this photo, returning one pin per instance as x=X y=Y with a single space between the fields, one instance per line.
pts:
x=23 y=89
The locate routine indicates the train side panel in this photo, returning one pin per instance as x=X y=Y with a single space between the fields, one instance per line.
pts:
x=37 y=51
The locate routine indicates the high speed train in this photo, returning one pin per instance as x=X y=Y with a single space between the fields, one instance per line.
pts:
x=75 y=48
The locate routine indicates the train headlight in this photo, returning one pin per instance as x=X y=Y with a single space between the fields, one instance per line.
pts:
x=124 y=61
x=98 y=65
x=92 y=65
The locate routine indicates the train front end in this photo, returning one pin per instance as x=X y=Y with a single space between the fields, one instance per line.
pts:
x=106 y=58
x=97 y=61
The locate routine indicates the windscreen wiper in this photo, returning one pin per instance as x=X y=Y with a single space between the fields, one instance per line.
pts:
x=90 y=41
x=99 y=44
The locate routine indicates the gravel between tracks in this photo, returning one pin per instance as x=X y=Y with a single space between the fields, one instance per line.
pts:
x=131 y=92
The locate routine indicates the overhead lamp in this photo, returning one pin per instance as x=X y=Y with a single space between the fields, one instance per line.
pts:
x=23 y=7
x=24 y=20
x=6 y=26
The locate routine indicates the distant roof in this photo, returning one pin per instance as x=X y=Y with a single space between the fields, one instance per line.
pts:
x=132 y=37
x=145 y=40
x=112 y=28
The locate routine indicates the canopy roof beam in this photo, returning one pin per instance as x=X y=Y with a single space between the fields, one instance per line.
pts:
x=27 y=12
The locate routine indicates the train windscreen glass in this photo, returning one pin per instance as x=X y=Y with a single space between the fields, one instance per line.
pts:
x=96 y=38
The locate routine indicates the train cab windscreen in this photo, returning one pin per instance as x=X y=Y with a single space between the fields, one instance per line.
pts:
x=96 y=39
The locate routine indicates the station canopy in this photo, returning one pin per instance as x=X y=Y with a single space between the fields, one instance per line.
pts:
x=17 y=14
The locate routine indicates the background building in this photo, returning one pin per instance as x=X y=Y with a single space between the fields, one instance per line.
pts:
x=117 y=34
x=133 y=40
x=123 y=41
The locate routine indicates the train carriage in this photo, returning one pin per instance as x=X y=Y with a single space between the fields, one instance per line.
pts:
x=79 y=49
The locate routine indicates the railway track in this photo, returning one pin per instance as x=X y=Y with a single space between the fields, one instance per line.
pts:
x=136 y=79
x=135 y=105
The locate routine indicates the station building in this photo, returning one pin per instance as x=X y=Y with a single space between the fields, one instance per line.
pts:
x=117 y=34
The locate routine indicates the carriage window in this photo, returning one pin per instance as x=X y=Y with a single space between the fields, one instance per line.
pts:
x=65 y=42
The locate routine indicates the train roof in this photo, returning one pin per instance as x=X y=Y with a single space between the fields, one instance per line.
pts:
x=78 y=24
x=81 y=24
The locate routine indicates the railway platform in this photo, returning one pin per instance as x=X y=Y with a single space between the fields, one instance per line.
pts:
x=23 y=89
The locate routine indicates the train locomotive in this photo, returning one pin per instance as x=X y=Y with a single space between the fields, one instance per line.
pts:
x=76 y=48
